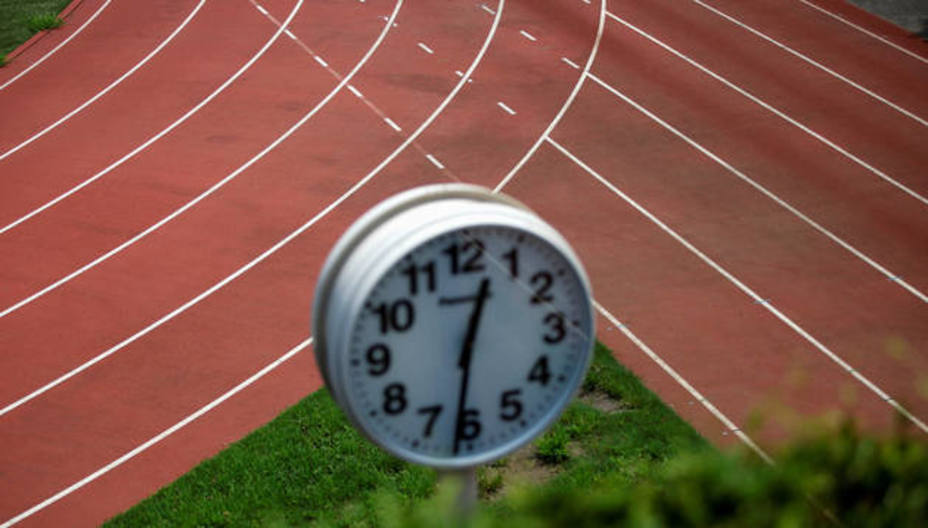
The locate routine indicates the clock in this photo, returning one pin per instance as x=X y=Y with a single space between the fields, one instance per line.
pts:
x=452 y=325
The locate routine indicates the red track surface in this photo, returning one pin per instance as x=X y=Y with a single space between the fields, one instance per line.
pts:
x=769 y=249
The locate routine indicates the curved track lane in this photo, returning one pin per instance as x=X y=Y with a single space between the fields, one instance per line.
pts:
x=529 y=121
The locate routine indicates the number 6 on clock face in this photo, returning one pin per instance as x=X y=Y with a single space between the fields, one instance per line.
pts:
x=465 y=338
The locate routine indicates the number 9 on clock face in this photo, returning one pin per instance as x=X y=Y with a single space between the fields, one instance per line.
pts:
x=466 y=343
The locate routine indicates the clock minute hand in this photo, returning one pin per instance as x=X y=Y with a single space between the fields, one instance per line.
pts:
x=467 y=350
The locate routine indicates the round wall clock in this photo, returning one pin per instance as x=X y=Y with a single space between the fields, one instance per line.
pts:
x=452 y=325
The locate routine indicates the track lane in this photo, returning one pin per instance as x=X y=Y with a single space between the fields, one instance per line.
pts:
x=888 y=227
x=759 y=243
x=401 y=177
x=684 y=309
x=182 y=81
x=34 y=122
x=214 y=148
x=838 y=74
x=416 y=158
x=879 y=67
x=875 y=27
x=884 y=140
x=198 y=239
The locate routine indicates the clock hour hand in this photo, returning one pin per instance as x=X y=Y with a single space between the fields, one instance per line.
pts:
x=467 y=350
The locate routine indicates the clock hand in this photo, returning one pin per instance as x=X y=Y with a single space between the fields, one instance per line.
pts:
x=467 y=350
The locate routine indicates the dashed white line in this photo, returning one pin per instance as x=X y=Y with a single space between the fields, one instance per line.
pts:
x=815 y=63
x=834 y=146
x=426 y=48
x=508 y=110
x=487 y=9
x=866 y=31
x=260 y=8
x=300 y=230
x=435 y=161
x=154 y=138
x=356 y=92
x=570 y=100
x=763 y=190
x=321 y=61
x=112 y=85
x=818 y=345
x=290 y=34
x=59 y=46
x=528 y=35
x=393 y=125
x=570 y=63
x=459 y=73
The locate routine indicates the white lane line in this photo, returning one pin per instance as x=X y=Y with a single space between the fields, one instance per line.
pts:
x=312 y=221
x=570 y=100
x=392 y=124
x=357 y=93
x=528 y=35
x=320 y=60
x=763 y=190
x=435 y=161
x=90 y=265
x=815 y=63
x=487 y=9
x=570 y=63
x=157 y=438
x=59 y=46
x=834 y=146
x=290 y=34
x=459 y=73
x=426 y=49
x=729 y=425
x=744 y=288
x=866 y=31
x=157 y=136
x=112 y=85
x=506 y=108
x=261 y=9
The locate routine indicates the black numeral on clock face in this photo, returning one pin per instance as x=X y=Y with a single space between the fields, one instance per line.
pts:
x=470 y=425
x=466 y=257
x=542 y=282
x=398 y=316
x=432 y=411
x=394 y=398
x=378 y=359
x=540 y=372
x=510 y=406
x=556 y=329
x=426 y=271
x=512 y=257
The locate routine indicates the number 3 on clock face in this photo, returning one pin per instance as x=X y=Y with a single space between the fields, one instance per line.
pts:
x=467 y=345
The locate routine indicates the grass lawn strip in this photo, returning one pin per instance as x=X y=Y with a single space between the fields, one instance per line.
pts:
x=310 y=465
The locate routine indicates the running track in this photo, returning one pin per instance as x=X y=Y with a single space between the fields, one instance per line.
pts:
x=745 y=183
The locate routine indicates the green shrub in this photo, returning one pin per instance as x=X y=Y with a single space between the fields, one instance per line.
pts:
x=840 y=478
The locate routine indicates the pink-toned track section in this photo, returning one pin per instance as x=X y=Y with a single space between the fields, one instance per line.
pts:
x=76 y=16
x=204 y=322
x=409 y=163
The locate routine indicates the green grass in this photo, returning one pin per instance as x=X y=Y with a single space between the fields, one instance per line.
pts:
x=20 y=19
x=309 y=466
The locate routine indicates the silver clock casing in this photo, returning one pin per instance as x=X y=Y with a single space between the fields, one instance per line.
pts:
x=379 y=240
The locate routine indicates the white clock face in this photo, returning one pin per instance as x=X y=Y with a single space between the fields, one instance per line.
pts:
x=471 y=343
